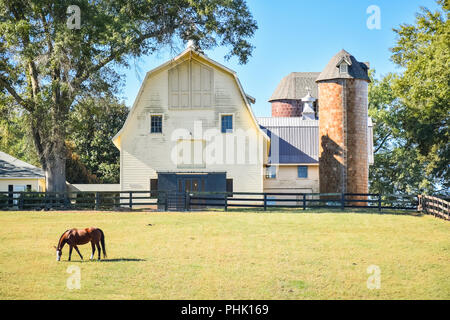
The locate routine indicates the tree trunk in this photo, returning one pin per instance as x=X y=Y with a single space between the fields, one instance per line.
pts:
x=55 y=173
x=50 y=147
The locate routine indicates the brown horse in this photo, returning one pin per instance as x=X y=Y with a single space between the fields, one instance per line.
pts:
x=74 y=237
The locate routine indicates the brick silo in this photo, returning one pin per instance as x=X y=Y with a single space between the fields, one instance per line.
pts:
x=343 y=122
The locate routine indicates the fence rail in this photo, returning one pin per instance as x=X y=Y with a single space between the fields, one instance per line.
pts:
x=302 y=200
x=435 y=206
x=188 y=201
x=78 y=200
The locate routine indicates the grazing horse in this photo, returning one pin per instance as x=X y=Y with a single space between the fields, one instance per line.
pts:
x=74 y=237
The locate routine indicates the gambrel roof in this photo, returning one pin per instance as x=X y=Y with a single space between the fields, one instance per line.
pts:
x=191 y=52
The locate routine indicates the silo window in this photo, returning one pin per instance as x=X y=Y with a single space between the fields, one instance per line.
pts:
x=343 y=68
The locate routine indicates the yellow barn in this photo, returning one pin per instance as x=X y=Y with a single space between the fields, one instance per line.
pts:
x=191 y=128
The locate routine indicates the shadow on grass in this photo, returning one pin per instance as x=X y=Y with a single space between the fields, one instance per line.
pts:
x=122 y=260
x=109 y=260
x=411 y=213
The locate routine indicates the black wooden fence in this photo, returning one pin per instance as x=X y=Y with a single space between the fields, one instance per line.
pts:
x=175 y=201
x=301 y=200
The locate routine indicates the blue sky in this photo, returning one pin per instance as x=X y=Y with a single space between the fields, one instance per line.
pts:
x=300 y=35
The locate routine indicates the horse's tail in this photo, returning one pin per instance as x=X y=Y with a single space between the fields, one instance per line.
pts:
x=102 y=241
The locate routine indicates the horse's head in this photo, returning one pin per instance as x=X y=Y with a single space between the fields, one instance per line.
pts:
x=62 y=241
x=58 y=253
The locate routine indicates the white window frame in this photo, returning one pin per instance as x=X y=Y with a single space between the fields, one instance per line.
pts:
x=343 y=70
x=266 y=175
x=233 y=122
x=307 y=172
x=150 y=123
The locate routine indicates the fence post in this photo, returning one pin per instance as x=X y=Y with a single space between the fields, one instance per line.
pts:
x=419 y=205
x=379 y=202
x=97 y=201
x=46 y=200
x=226 y=202
x=131 y=200
x=342 y=201
x=265 y=202
x=304 y=202
x=21 y=201
x=166 y=203
x=66 y=200
x=186 y=195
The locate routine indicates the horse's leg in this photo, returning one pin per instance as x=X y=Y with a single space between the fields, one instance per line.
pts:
x=76 y=248
x=99 y=250
x=70 y=252
x=93 y=250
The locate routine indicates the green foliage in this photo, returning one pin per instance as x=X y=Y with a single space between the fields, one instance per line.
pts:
x=91 y=157
x=398 y=167
x=423 y=50
x=411 y=110
x=93 y=124
x=14 y=134
x=76 y=170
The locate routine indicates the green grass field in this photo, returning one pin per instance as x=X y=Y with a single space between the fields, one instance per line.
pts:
x=234 y=255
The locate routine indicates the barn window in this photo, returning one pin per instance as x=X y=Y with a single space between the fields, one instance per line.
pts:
x=156 y=124
x=302 y=172
x=226 y=123
x=271 y=172
x=190 y=85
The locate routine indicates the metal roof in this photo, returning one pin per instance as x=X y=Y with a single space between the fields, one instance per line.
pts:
x=356 y=70
x=296 y=141
x=11 y=167
x=295 y=86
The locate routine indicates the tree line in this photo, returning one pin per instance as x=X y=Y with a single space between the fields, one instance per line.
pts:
x=411 y=109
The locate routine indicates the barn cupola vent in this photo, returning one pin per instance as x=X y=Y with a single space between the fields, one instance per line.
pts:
x=308 y=107
x=193 y=39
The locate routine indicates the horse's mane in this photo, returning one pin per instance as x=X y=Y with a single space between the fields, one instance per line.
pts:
x=59 y=241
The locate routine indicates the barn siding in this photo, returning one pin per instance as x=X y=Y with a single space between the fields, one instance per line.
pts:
x=144 y=154
x=287 y=181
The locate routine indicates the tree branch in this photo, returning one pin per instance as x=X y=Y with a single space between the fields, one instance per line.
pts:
x=15 y=95
x=114 y=54
x=383 y=141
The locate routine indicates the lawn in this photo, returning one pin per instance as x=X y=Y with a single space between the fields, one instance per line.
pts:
x=234 y=255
